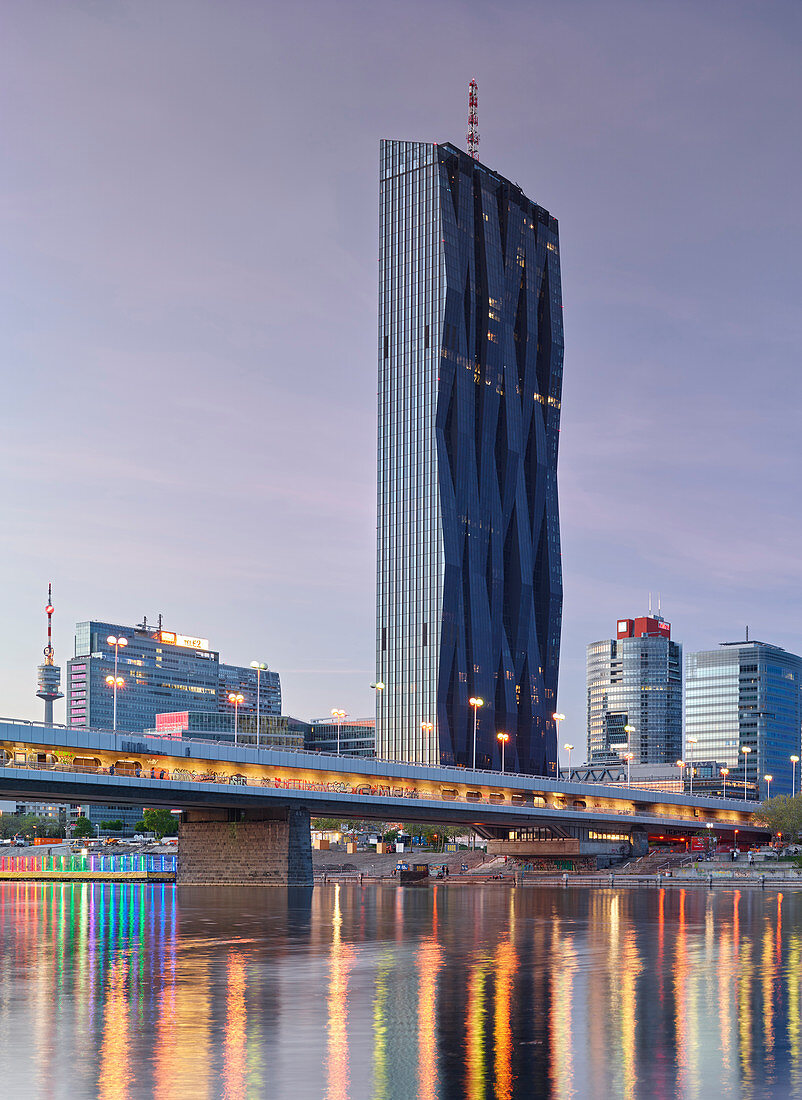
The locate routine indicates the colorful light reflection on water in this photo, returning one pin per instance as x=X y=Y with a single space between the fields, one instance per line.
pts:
x=135 y=990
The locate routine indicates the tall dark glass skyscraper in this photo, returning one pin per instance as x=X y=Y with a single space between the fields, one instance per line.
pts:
x=469 y=593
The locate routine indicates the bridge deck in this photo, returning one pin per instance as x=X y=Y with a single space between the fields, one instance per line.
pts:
x=91 y=766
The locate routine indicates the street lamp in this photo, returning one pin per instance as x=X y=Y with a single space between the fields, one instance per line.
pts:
x=681 y=765
x=475 y=702
x=568 y=749
x=725 y=772
x=427 y=727
x=629 y=730
x=745 y=749
x=502 y=738
x=768 y=779
x=379 y=686
x=338 y=716
x=691 y=741
x=628 y=757
x=236 y=698
x=794 y=762
x=260 y=668
x=116 y=642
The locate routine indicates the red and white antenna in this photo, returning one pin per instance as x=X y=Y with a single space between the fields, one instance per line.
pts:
x=49 y=611
x=473 y=119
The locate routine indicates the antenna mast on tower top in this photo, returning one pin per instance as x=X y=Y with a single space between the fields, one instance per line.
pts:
x=49 y=612
x=473 y=119
x=49 y=674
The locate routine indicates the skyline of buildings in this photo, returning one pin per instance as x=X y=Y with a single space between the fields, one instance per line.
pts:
x=469 y=582
x=634 y=684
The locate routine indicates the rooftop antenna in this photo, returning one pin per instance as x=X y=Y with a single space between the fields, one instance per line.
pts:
x=473 y=119
x=659 y=605
x=747 y=634
x=49 y=673
x=650 y=603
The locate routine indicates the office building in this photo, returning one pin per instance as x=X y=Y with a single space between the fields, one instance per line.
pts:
x=469 y=583
x=64 y=813
x=634 y=684
x=275 y=731
x=745 y=695
x=355 y=737
x=160 y=671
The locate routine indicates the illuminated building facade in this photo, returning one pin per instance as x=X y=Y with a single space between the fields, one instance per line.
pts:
x=276 y=731
x=161 y=671
x=746 y=694
x=469 y=582
x=635 y=680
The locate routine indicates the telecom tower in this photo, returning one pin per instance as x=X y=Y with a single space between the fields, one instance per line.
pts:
x=49 y=681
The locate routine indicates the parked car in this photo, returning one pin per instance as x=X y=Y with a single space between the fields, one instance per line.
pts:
x=20 y=842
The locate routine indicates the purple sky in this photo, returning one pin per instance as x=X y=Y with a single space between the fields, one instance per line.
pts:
x=189 y=211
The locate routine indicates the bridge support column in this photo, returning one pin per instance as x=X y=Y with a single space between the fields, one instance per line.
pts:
x=245 y=848
x=639 y=839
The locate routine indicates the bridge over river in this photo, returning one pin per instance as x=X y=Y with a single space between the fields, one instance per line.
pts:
x=246 y=810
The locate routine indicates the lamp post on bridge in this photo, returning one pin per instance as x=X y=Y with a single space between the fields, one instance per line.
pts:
x=768 y=779
x=260 y=668
x=475 y=702
x=628 y=757
x=745 y=749
x=236 y=698
x=681 y=765
x=724 y=773
x=113 y=640
x=691 y=741
x=338 y=716
x=794 y=761
x=568 y=749
x=502 y=738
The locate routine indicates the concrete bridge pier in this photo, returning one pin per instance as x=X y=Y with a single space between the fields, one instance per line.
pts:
x=259 y=847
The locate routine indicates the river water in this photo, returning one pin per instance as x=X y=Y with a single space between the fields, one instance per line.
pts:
x=120 y=990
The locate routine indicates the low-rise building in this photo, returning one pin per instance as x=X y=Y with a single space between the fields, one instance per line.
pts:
x=353 y=736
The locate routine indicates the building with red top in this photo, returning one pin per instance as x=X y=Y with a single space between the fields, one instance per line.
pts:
x=634 y=686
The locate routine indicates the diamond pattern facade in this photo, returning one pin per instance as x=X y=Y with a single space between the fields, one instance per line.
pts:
x=470 y=371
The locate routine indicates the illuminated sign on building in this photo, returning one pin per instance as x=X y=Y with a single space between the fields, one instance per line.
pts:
x=181 y=639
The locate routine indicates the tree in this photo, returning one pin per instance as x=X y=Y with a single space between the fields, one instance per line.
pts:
x=83 y=827
x=113 y=826
x=160 y=822
x=782 y=814
x=434 y=835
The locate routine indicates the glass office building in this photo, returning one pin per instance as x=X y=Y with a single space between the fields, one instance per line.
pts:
x=355 y=737
x=469 y=582
x=275 y=731
x=161 y=671
x=746 y=694
x=635 y=680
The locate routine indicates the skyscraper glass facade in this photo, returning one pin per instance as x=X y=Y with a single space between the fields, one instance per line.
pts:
x=161 y=671
x=635 y=680
x=746 y=694
x=469 y=582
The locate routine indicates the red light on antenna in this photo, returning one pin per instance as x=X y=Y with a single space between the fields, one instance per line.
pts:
x=50 y=609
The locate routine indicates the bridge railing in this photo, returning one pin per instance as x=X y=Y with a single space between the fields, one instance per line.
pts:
x=556 y=780
x=77 y=864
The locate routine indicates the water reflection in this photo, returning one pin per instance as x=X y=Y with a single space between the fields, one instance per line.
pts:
x=128 y=991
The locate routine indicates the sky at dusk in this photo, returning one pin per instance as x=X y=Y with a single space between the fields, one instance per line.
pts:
x=189 y=221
